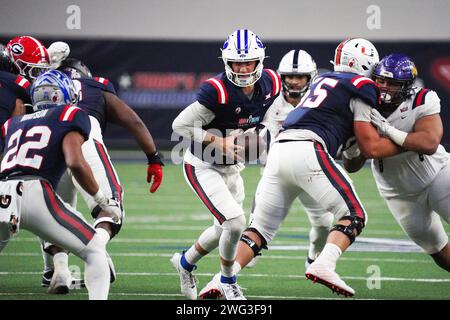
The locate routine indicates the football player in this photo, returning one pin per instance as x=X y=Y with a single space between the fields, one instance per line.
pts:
x=302 y=159
x=415 y=183
x=55 y=133
x=235 y=99
x=99 y=100
x=13 y=89
x=298 y=70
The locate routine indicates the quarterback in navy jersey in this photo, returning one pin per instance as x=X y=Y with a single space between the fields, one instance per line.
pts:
x=302 y=159
x=235 y=100
x=38 y=147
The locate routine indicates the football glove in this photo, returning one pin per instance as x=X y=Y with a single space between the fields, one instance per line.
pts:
x=108 y=205
x=386 y=129
x=154 y=170
x=58 y=51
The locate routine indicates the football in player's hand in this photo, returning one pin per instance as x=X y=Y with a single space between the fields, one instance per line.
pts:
x=253 y=145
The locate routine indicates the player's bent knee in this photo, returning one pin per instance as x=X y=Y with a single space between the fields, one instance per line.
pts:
x=235 y=226
x=352 y=230
x=252 y=243
x=115 y=225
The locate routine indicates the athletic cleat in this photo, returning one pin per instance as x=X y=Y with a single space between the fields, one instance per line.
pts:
x=60 y=283
x=322 y=274
x=232 y=291
x=112 y=269
x=213 y=289
x=188 y=282
x=47 y=279
x=308 y=262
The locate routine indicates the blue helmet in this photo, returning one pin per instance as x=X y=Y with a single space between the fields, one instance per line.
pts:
x=52 y=88
x=399 y=70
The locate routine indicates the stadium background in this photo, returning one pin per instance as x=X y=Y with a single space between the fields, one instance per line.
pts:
x=156 y=53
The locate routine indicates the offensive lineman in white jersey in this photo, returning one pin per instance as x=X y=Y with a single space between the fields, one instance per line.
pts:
x=415 y=183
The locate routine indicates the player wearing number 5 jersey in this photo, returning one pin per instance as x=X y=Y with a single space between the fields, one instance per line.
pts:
x=37 y=150
x=302 y=160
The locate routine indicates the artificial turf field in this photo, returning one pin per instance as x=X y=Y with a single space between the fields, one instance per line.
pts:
x=157 y=225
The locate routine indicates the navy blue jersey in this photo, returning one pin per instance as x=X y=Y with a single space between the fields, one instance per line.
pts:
x=32 y=144
x=91 y=97
x=326 y=110
x=12 y=86
x=232 y=108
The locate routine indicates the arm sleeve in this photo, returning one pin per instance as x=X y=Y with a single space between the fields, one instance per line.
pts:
x=80 y=123
x=360 y=109
x=190 y=121
x=431 y=106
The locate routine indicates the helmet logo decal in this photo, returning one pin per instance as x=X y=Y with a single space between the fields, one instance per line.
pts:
x=17 y=48
x=259 y=42
x=225 y=44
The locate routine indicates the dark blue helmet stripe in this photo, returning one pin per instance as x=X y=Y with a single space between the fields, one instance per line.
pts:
x=239 y=40
x=295 y=62
x=246 y=40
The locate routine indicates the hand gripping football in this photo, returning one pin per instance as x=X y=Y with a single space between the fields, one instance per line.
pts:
x=253 y=145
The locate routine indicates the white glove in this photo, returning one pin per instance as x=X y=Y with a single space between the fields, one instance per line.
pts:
x=386 y=129
x=351 y=150
x=108 y=205
x=58 y=51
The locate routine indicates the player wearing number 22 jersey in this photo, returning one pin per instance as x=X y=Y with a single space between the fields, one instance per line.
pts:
x=43 y=132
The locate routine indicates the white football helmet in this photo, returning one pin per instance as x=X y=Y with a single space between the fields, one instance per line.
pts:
x=356 y=55
x=241 y=46
x=298 y=63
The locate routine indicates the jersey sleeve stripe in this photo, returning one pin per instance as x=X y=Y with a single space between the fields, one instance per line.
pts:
x=358 y=82
x=419 y=100
x=102 y=80
x=276 y=81
x=5 y=127
x=68 y=113
x=21 y=81
x=222 y=95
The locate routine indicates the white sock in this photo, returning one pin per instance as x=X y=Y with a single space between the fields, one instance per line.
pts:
x=236 y=267
x=227 y=271
x=61 y=262
x=103 y=236
x=96 y=273
x=329 y=255
x=317 y=240
x=192 y=256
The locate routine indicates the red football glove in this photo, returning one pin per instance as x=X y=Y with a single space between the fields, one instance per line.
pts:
x=154 y=170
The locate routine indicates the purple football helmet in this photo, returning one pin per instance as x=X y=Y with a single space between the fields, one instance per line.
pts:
x=399 y=71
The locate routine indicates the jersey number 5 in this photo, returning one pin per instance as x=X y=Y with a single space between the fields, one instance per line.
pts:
x=17 y=155
x=319 y=93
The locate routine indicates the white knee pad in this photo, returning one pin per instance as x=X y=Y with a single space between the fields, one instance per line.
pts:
x=234 y=227
x=232 y=231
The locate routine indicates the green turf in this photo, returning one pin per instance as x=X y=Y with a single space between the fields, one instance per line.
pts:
x=170 y=220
